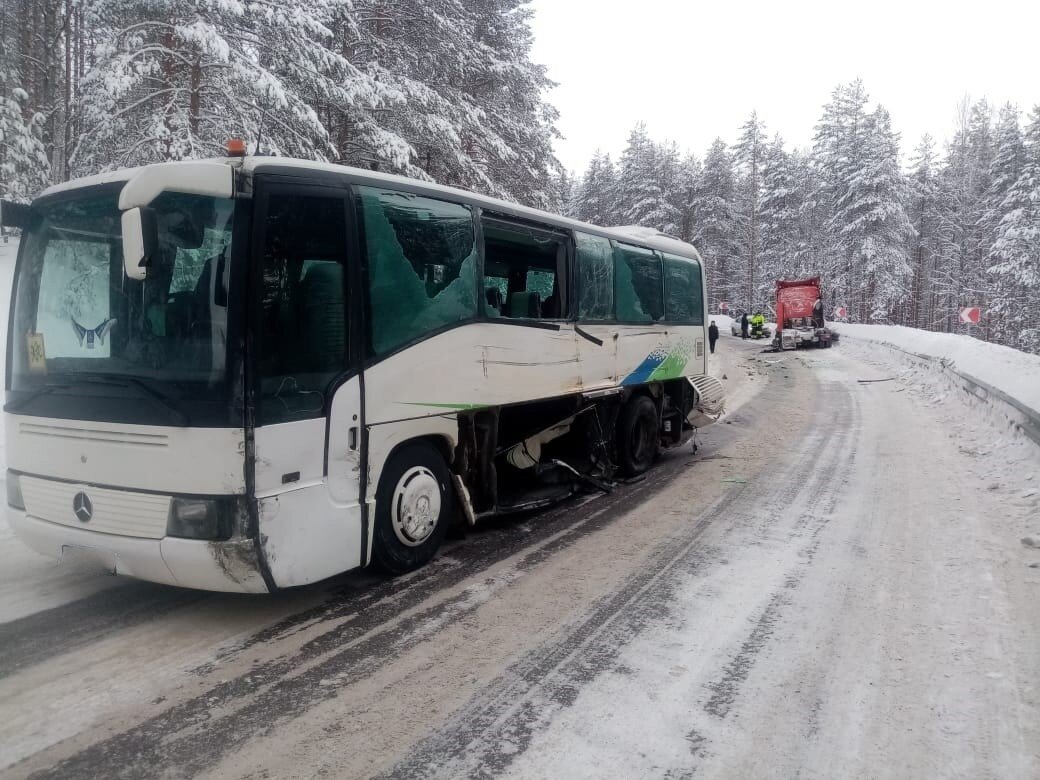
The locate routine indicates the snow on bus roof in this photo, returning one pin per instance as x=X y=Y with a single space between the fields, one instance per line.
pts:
x=648 y=237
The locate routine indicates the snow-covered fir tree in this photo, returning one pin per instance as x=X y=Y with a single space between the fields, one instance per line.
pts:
x=595 y=198
x=779 y=217
x=24 y=166
x=874 y=223
x=175 y=79
x=1015 y=254
x=715 y=228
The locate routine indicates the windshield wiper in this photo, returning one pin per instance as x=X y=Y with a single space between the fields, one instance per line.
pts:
x=157 y=398
x=18 y=403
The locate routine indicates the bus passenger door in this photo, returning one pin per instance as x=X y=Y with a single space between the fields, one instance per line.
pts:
x=307 y=475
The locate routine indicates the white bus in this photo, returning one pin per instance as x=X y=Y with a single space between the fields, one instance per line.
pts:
x=256 y=373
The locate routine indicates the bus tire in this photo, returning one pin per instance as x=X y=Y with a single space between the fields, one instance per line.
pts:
x=638 y=436
x=413 y=509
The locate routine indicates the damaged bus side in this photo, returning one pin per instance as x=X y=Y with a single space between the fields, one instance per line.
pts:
x=256 y=373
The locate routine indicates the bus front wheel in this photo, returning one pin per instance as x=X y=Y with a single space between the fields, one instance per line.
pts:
x=413 y=508
x=638 y=436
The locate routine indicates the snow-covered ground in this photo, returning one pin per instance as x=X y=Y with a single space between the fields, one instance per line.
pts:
x=1015 y=373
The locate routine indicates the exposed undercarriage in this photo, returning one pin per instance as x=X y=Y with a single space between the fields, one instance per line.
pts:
x=529 y=455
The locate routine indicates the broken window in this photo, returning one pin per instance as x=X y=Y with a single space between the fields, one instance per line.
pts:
x=595 y=277
x=422 y=267
x=684 y=300
x=524 y=270
x=639 y=293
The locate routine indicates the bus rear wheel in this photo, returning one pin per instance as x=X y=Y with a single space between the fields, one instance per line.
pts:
x=638 y=436
x=413 y=509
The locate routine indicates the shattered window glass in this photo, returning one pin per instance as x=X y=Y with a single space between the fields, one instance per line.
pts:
x=421 y=265
x=683 y=295
x=639 y=294
x=595 y=277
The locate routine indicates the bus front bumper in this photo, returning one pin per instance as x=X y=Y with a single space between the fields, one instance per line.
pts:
x=228 y=567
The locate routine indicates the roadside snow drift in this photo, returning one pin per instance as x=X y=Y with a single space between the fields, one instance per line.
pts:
x=1012 y=372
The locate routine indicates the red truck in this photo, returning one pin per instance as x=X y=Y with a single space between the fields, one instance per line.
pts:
x=799 y=315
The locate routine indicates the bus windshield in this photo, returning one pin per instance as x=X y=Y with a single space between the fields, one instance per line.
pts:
x=88 y=343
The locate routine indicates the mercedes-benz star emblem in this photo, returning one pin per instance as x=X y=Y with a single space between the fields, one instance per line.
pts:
x=82 y=507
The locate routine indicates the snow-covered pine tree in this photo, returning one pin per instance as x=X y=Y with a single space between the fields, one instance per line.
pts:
x=636 y=187
x=1015 y=255
x=715 y=231
x=594 y=201
x=838 y=158
x=686 y=193
x=509 y=88
x=648 y=174
x=815 y=251
x=1004 y=169
x=960 y=277
x=748 y=154
x=1008 y=153
x=175 y=79
x=924 y=215
x=872 y=214
x=662 y=210
x=24 y=166
x=778 y=217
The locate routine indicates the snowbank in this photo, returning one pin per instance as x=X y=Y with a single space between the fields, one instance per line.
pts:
x=1014 y=373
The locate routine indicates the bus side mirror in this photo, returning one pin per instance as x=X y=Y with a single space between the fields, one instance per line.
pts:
x=140 y=241
x=14 y=215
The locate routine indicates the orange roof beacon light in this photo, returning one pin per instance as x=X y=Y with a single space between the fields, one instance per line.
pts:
x=236 y=147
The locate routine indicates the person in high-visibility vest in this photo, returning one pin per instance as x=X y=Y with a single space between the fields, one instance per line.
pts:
x=757 y=324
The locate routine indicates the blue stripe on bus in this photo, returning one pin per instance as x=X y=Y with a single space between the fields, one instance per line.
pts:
x=645 y=369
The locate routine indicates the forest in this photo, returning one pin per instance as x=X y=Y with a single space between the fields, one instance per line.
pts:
x=446 y=90
x=958 y=225
x=434 y=89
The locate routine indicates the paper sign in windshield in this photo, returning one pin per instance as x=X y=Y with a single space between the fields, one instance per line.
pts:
x=37 y=353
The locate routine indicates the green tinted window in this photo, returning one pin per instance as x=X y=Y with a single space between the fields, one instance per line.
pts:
x=684 y=300
x=595 y=277
x=421 y=265
x=639 y=294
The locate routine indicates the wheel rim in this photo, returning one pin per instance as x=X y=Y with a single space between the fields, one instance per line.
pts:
x=416 y=506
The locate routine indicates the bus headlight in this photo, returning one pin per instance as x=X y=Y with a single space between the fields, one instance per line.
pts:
x=198 y=518
x=14 y=491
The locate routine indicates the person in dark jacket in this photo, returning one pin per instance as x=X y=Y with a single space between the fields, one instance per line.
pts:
x=743 y=325
x=713 y=335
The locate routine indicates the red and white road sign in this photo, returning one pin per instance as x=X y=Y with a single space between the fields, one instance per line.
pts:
x=723 y=306
x=840 y=312
x=970 y=315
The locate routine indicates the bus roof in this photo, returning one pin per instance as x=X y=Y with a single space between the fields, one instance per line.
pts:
x=647 y=237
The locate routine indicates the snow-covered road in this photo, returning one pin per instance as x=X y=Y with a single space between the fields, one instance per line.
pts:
x=843 y=581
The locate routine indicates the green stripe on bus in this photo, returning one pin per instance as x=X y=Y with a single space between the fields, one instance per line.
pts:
x=461 y=407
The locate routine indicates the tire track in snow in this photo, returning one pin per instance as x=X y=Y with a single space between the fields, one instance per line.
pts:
x=844 y=424
x=43 y=635
x=487 y=735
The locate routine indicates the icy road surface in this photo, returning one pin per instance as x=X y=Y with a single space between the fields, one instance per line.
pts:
x=844 y=581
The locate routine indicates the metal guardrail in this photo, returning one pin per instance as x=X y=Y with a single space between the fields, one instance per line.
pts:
x=1028 y=425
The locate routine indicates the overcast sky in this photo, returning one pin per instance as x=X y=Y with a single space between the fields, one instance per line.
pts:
x=695 y=70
